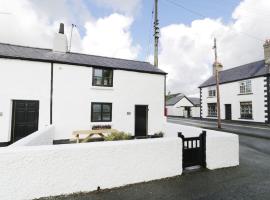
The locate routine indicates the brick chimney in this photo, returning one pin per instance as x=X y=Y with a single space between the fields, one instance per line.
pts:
x=60 y=43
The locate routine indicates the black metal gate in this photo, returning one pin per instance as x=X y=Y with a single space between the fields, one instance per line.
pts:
x=194 y=150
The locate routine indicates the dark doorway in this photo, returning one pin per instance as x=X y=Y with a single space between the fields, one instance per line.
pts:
x=141 y=120
x=187 y=109
x=228 y=111
x=24 y=118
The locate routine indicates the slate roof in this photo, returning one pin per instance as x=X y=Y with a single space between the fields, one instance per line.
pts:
x=172 y=101
x=242 y=72
x=47 y=55
x=195 y=101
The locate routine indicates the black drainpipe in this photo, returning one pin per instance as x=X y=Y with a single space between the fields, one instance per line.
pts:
x=51 y=96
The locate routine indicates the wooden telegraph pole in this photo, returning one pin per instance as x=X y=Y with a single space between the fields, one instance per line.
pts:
x=156 y=34
x=217 y=67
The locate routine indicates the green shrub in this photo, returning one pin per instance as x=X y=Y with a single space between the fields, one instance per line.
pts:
x=117 y=136
x=159 y=134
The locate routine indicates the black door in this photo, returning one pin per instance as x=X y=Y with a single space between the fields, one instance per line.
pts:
x=141 y=120
x=228 y=112
x=24 y=118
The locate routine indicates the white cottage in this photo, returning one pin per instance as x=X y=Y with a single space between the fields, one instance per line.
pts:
x=244 y=92
x=178 y=105
x=73 y=91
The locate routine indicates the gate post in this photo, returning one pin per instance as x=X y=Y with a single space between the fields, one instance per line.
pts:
x=180 y=135
x=203 y=145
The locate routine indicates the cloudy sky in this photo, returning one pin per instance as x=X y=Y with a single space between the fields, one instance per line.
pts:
x=123 y=29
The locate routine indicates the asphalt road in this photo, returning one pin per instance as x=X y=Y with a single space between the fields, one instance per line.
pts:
x=249 y=181
x=256 y=130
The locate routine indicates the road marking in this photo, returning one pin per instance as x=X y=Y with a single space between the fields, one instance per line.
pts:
x=201 y=123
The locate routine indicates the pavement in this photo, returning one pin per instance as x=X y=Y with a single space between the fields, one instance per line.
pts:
x=240 y=128
x=249 y=181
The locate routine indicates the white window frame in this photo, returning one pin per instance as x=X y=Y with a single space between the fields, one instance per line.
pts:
x=212 y=112
x=246 y=110
x=245 y=87
x=212 y=92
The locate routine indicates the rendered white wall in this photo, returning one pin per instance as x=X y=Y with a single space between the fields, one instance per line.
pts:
x=33 y=172
x=73 y=94
x=23 y=80
x=195 y=112
x=43 y=136
x=229 y=94
x=222 y=149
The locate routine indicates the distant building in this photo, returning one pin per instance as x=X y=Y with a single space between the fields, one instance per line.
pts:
x=244 y=92
x=178 y=105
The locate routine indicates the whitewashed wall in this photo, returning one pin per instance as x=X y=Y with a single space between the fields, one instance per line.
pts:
x=229 y=94
x=222 y=149
x=43 y=136
x=73 y=94
x=23 y=80
x=33 y=172
x=195 y=112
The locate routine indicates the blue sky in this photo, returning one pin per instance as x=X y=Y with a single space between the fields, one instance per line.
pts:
x=168 y=14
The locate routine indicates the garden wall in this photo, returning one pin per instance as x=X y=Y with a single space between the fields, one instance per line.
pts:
x=222 y=148
x=44 y=136
x=40 y=171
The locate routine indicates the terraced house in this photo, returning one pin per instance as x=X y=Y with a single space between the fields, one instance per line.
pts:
x=73 y=91
x=245 y=92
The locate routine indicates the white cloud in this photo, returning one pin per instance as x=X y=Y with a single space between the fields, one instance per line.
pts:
x=34 y=23
x=110 y=36
x=186 y=51
x=125 y=6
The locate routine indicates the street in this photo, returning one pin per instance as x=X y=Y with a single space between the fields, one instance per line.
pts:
x=256 y=130
x=250 y=180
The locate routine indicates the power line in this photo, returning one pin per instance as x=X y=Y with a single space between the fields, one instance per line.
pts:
x=204 y=16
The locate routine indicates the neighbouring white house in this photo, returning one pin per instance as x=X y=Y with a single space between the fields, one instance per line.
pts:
x=178 y=105
x=73 y=91
x=244 y=91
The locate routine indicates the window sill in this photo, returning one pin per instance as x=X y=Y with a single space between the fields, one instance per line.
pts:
x=211 y=116
x=245 y=94
x=102 y=88
x=211 y=97
x=251 y=119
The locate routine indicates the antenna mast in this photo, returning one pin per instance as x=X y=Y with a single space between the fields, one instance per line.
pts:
x=156 y=34
x=70 y=40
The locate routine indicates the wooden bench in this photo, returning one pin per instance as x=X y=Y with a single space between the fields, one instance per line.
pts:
x=91 y=133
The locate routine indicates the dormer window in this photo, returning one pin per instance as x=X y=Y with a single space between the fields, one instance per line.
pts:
x=102 y=77
x=212 y=92
x=245 y=87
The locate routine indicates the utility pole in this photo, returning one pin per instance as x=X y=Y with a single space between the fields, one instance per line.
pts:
x=156 y=34
x=217 y=67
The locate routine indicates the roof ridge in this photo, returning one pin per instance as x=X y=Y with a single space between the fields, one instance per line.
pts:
x=32 y=47
x=242 y=65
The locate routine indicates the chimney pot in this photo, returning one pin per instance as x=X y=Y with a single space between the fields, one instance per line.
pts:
x=62 y=28
x=266 y=47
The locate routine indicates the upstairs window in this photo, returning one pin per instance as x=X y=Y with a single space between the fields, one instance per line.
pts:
x=102 y=77
x=212 y=110
x=212 y=92
x=246 y=110
x=101 y=112
x=245 y=87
